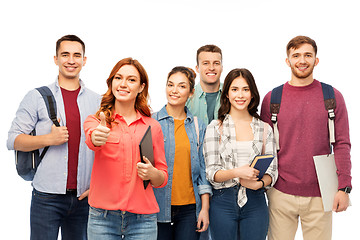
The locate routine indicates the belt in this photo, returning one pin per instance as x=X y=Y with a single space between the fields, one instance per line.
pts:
x=71 y=191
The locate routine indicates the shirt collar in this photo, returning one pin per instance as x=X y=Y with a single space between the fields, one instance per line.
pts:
x=57 y=85
x=228 y=123
x=199 y=92
x=162 y=114
x=139 y=117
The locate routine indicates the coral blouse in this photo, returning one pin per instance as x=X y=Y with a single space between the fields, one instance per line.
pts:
x=114 y=183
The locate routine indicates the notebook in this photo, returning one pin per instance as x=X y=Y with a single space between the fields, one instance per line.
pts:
x=262 y=163
x=146 y=149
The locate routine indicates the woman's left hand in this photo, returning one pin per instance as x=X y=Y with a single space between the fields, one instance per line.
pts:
x=251 y=184
x=145 y=170
x=203 y=221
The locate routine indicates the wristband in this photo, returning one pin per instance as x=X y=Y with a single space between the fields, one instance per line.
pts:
x=346 y=189
x=263 y=184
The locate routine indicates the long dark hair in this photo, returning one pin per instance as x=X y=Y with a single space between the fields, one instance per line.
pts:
x=224 y=100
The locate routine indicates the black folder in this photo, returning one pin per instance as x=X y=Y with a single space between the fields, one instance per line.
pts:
x=146 y=149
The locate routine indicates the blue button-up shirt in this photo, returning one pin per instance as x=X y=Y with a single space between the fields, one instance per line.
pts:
x=200 y=184
x=198 y=106
x=51 y=175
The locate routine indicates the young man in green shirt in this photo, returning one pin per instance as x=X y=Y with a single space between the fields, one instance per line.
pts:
x=205 y=102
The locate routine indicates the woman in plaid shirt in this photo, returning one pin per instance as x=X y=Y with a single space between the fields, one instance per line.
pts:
x=238 y=206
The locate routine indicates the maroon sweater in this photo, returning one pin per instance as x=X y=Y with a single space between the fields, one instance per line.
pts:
x=302 y=123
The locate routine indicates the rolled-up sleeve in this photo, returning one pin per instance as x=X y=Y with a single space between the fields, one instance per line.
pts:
x=25 y=119
x=211 y=153
x=270 y=148
x=204 y=186
x=159 y=151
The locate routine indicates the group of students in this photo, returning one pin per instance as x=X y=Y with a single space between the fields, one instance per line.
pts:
x=203 y=141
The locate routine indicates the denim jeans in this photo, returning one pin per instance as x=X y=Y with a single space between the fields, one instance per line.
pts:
x=49 y=212
x=114 y=224
x=182 y=226
x=229 y=221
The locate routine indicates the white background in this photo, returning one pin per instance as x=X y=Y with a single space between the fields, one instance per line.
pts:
x=161 y=35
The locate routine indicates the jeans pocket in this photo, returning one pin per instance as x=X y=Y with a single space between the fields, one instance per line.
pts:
x=258 y=192
x=218 y=192
x=43 y=195
x=96 y=212
x=152 y=216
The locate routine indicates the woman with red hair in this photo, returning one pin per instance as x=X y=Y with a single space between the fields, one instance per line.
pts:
x=120 y=206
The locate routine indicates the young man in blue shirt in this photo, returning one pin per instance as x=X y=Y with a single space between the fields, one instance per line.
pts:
x=61 y=183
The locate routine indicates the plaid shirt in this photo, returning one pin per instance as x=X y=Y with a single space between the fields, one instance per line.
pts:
x=220 y=152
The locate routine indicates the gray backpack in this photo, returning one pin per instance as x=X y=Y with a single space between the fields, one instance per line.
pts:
x=27 y=162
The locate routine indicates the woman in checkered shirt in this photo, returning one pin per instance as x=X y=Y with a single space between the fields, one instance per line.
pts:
x=238 y=206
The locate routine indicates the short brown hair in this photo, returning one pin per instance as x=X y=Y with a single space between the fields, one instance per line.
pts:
x=207 y=48
x=296 y=42
x=72 y=38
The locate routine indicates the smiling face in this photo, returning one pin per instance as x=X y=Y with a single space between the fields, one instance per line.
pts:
x=70 y=60
x=126 y=84
x=302 y=62
x=178 y=89
x=209 y=67
x=239 y=95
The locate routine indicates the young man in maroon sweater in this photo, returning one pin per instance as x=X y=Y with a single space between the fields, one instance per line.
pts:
x=303 y=133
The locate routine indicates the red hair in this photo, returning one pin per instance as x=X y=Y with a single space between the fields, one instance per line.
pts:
x=141 y=102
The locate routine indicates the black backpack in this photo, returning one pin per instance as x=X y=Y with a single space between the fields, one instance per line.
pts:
x=329 y=101
x=27 y=162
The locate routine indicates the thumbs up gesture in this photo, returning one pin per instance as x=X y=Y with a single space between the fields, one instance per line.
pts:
x=101 y=133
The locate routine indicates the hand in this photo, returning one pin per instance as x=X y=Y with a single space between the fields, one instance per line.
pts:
x=58 y=135
x=246 y=172
x=84 y=195
x=341 y=201
x=203 y=221
x=100 y=135
x=145 y=170
x=251 y=184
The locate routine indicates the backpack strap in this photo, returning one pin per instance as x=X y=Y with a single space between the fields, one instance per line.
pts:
x=51 y=108
x=275 y=101
x=330 y=105
x=197 y=130
x=264 y=138
x=50 y=103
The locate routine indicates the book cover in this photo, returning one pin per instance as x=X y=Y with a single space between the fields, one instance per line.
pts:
x=262 y=163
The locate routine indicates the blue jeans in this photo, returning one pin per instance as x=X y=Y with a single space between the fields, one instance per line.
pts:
x=182 y=226
x=49 y=212
x=229 y=221
x=114 y=224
